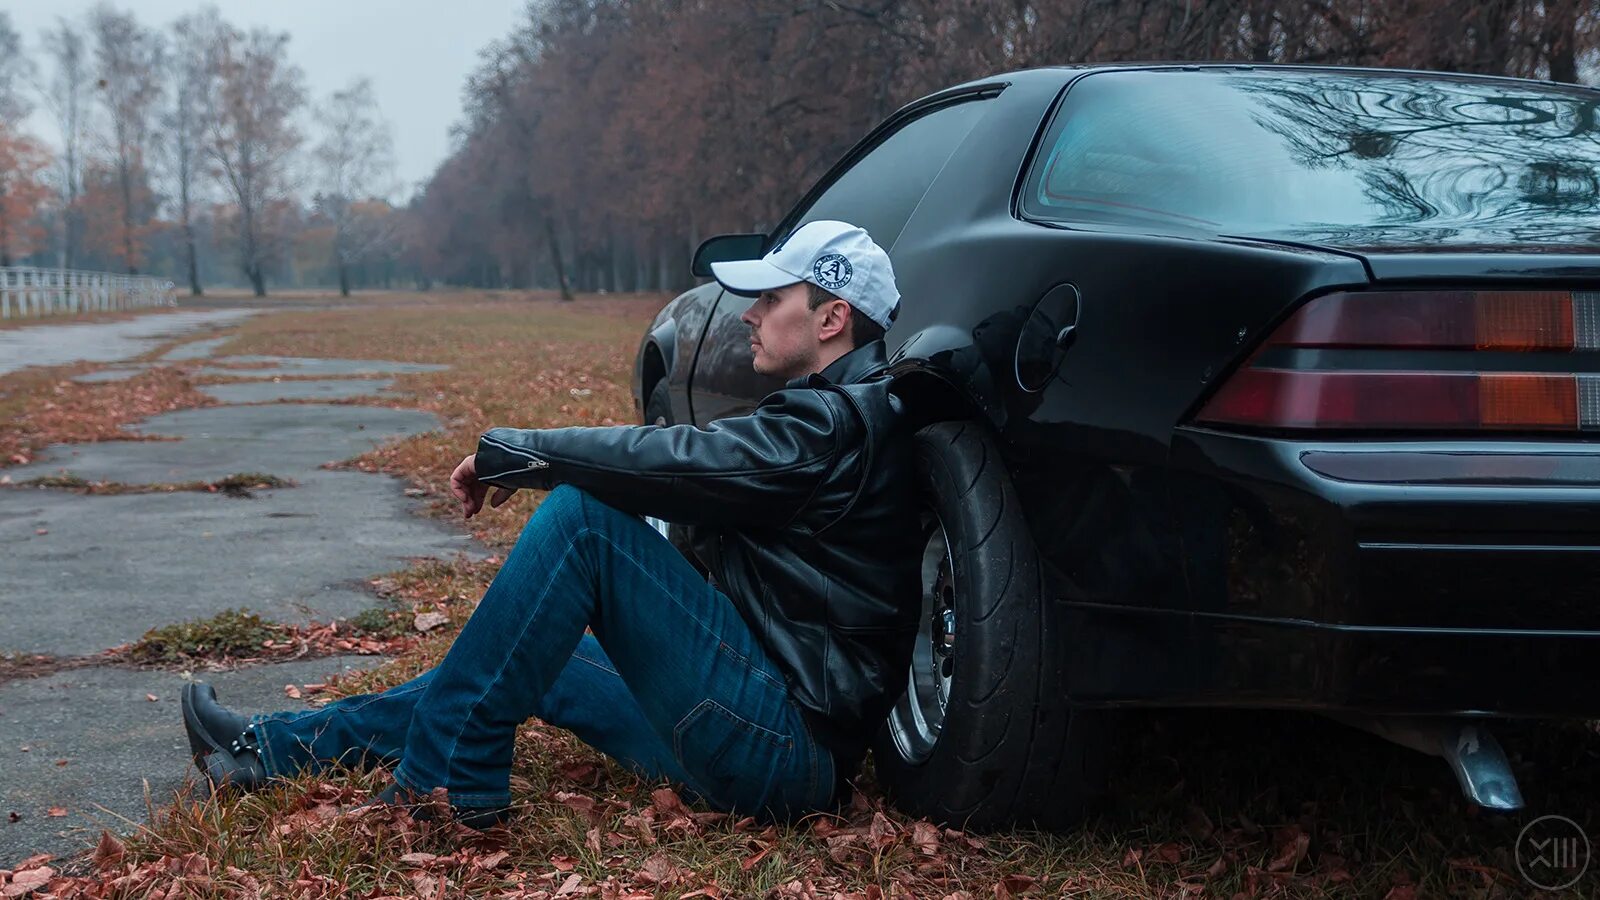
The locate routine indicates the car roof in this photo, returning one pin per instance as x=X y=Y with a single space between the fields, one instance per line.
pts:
x=1066 y=73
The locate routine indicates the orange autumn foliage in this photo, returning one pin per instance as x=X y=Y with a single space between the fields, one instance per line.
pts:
x=22 y=191
x=112 y=225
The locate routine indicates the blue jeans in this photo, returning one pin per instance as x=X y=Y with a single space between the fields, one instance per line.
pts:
x=671 y=682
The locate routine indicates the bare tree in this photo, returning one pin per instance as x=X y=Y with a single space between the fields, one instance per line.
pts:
x=15 y=71
x=250 y=138
x=128 y=58
x=67 y=98
x=355 y=162
x=18 y=156
x=196 y=39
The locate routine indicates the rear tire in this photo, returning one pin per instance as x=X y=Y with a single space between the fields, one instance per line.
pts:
x=658 y=405
x=983 y=736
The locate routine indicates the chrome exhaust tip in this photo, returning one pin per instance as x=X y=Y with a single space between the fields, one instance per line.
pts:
x=1466 y=745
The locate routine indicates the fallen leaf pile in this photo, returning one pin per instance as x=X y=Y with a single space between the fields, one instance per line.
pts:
x=47 y=407
x=296 y=642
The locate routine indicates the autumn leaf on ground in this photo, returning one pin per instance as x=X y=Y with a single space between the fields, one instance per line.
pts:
x=109 y=852
x=29 y=880
x=1292 y=844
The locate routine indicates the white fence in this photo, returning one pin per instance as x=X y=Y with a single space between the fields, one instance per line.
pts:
x=46 y=292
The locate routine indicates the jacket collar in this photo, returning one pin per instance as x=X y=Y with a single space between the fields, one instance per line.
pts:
x=857 y=365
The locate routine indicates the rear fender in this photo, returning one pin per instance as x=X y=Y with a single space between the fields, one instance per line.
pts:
x=944 y=373
x=654 y=361
x=665 y=337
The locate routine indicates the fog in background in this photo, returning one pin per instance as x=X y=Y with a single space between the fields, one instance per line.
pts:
x=417 y=53
x=590 y=144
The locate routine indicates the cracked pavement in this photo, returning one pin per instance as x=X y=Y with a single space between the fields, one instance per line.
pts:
x=86 y=572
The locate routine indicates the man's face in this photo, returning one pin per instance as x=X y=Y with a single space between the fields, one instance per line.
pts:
x=784 y=337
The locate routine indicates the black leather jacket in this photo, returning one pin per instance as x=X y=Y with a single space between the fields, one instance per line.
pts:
x=804 y=512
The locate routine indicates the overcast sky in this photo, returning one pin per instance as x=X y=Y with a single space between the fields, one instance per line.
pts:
x=417 y=53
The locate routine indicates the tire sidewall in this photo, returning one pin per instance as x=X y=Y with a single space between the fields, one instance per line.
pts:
x=1004 y=744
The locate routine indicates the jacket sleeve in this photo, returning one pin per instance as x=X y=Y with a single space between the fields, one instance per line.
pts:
x=755 y=470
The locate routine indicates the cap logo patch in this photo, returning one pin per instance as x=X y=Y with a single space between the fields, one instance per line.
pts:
x=832 y=271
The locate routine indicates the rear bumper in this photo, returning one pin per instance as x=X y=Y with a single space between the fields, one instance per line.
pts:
x=1160 y=658
x=1401 y=577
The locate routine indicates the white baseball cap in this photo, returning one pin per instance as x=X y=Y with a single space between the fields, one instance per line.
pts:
x=838 y=257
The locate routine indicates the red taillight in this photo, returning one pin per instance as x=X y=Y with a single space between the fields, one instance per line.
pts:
x=1352 y=361
x=1437 y=320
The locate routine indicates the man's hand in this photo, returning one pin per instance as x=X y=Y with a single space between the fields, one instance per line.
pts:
x=470 y=491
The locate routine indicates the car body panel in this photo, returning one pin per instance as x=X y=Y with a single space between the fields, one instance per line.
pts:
x=675 y=335
x=726 y=383
x=1201 y=566
x=1319 y=569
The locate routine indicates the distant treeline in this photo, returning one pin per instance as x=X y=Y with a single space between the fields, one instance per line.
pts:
x=610 y=135
x=602 y=138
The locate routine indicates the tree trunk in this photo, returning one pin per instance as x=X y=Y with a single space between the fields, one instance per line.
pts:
x=1561 y=40
x=191 y=252
x=258 y=281
x=344 y=279
x=685 y=275
x=127 y=219
x=69 y=215
x=1260 y=34
x=555 y=259
x=5 y=231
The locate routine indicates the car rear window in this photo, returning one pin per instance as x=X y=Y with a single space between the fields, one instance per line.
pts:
x=1318 y=153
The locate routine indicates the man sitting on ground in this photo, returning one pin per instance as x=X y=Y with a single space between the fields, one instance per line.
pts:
x=758 y=690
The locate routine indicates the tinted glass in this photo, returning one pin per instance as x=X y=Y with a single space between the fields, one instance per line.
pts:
x=1356 y=158
x=882 y=189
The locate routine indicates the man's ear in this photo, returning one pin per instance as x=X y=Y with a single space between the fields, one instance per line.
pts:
x=835 y=319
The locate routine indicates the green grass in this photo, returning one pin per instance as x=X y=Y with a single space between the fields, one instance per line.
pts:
x=230 y=633
x=380 y=621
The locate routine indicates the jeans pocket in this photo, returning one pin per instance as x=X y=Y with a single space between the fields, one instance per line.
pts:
x=732 y=760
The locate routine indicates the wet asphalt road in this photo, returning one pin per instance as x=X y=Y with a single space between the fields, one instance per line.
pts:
x=83 y=573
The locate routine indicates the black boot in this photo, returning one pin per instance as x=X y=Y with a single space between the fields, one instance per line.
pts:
x=212 y=727
x=221 y=741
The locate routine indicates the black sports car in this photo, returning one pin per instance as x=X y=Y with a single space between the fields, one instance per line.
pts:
x=1245 y=386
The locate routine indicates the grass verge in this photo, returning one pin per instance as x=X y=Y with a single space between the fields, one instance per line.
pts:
x=243 y=484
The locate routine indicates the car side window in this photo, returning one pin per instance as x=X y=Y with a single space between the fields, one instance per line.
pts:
x=882 y=190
